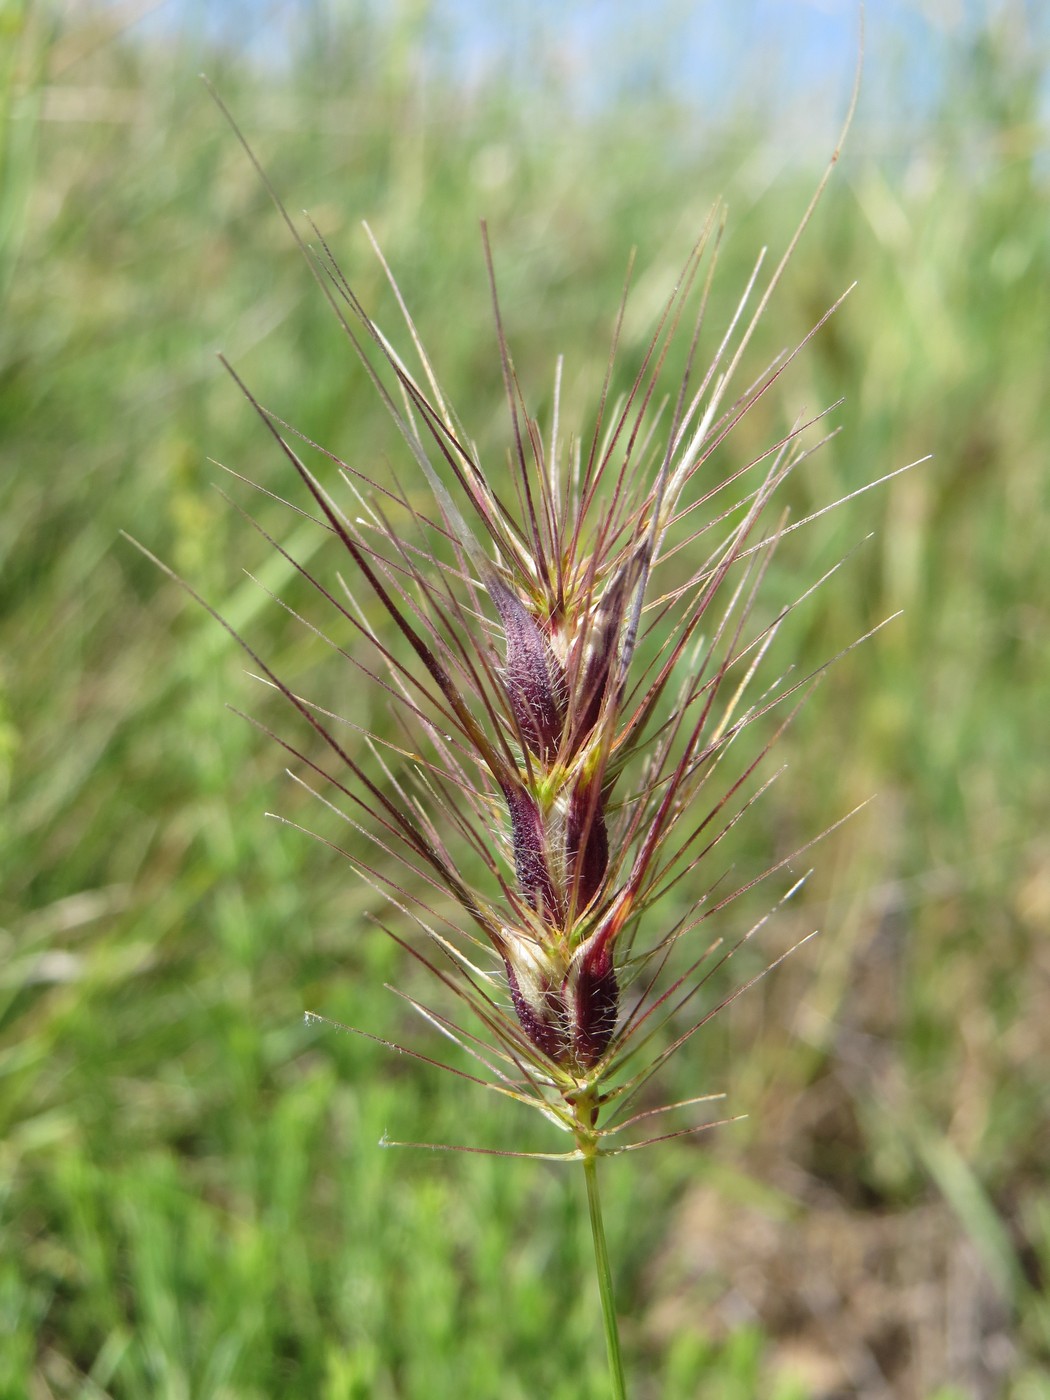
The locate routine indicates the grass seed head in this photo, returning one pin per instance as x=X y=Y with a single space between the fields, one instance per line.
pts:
x=599 y=726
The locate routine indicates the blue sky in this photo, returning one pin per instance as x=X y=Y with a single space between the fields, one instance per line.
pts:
x=788 y=61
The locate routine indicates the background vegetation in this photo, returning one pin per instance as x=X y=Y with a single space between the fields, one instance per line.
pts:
x=192 y=1199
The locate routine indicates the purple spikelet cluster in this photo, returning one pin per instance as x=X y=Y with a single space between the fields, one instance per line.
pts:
x=563 y=986
x=567 y=697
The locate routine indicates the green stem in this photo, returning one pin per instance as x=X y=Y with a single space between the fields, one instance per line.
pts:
x=605 y=1286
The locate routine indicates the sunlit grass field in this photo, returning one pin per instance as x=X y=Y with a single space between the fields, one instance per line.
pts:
x=194 y=1201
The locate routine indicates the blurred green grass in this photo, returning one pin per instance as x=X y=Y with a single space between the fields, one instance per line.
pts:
x=192 y=1199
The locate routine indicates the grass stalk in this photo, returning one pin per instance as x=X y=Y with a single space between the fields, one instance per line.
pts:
x=604 y=1272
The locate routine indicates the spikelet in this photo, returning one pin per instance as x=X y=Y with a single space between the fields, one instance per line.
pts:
x=565 y=699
